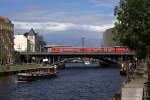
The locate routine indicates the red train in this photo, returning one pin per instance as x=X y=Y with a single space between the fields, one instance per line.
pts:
x=90 y=50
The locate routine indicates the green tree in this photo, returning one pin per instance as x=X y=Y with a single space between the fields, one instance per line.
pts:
x=133 y=25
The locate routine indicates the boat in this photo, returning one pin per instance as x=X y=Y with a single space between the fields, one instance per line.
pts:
x=35 y=74
x=87 y=62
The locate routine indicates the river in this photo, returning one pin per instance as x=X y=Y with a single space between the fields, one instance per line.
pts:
x=70 y=84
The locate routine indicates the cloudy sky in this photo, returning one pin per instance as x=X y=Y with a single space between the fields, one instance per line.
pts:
x=62 y=21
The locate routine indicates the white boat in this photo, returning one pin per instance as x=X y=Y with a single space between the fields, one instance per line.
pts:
x=86 y=62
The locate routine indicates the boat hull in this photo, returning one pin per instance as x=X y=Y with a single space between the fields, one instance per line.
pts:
x=33 y=78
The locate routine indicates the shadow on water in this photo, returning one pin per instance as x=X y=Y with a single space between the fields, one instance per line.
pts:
x=84 y=66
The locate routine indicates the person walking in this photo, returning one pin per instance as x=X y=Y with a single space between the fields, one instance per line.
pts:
x=131 y=69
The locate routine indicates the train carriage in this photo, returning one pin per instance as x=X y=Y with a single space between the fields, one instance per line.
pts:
x=90 y=50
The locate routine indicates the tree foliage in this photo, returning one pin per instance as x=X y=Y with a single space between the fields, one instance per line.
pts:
x=133 y=25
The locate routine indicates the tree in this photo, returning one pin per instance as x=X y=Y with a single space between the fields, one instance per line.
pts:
x=133 y=28
x=133 y=25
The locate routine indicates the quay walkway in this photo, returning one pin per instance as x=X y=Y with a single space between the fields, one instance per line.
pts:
x=133 y=88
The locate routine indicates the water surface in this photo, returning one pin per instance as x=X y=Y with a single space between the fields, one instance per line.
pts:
x=70 y=84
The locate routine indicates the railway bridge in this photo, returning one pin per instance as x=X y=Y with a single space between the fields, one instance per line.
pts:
x=107 y=57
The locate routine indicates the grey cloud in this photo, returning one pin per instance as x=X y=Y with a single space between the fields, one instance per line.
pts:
x=57 y=26
x=94 y=19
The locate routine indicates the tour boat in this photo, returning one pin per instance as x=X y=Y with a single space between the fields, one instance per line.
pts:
x=39 y=73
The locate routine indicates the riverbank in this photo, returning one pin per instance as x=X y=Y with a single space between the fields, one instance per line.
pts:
x=133 y=87
x=12 y=69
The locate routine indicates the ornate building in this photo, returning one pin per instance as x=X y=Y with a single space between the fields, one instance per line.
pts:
x=6 y=40
x=29 y=42
x=35 y=42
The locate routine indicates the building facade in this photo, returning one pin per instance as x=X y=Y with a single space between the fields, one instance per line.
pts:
x=108 y=38
x=29 y=42
x=20 y=43
x=6 y=41
x=32 y=38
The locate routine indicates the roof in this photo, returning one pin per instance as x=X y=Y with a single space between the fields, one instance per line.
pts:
x=4 y=19
x=30 y=33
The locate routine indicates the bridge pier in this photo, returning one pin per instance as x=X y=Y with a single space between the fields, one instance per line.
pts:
x=102 y=64
x=54 y=59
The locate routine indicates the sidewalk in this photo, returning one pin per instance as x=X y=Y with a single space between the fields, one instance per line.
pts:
x=135 y=89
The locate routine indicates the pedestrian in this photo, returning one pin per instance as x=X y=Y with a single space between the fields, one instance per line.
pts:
x=131 y=69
